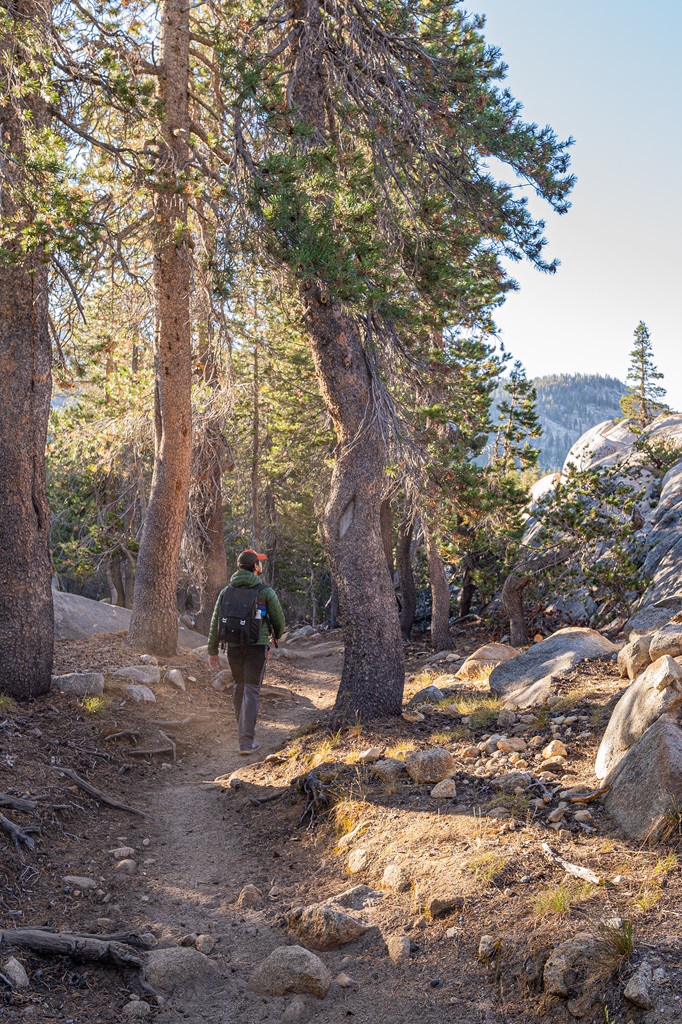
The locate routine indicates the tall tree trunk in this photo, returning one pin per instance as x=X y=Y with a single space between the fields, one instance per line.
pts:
x=26 y=612
x=255 y=445
x=373 y=669
x=466 y=594
x=153 y=625
x=408 y=591
x=373 y=674
x=440 y=596
x=516 y=582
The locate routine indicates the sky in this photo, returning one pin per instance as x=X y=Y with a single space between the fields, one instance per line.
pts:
x=609 y=74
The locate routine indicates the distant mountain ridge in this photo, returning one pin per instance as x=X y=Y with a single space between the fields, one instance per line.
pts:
x=568 y=404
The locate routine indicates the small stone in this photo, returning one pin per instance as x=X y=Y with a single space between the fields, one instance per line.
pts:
x=535 y=742
x=122 y=852
x=388 y=769
x=149 y=675
x=490 y=745
x=554 y=749
x=468 y=754
x=413 y=716
x=222 y=680
x=148 y=659
x=583 y=816
x=189 y=939
x=506 y=719
x=250 y=896
x=358 y=861
x=205 y=944
x=127 y=866
x=175 y=678
x=512 y=743
x=140 y=694
x=639 y=988
x=445 y=790
x=487 y=947
x=430 y=765
x=371 y=755
x=136 y=1009
x=14 y=970
x=79 y=882
x=296 y=1012
x=80 y=683
x=146 y=842
x=395 y=878
x=291 y=969
x=344 y=980
x=399 y=947
x=440 y=905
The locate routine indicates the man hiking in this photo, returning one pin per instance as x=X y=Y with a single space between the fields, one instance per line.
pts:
x=246 y=614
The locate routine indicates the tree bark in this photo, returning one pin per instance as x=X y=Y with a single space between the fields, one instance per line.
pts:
x=214 y=573
x=153 y=625
x=440 y=596
x=517 y=581
x=408 y=591
x=373 y=669
x=466 y=594
x=386 y=519
x=26 y=612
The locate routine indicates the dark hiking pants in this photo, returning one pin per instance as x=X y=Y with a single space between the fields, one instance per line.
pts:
x=247 y=662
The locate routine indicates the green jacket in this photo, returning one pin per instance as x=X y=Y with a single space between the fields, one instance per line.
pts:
x=244 y=578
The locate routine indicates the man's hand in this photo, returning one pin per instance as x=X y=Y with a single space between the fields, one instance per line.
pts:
x=213 y=662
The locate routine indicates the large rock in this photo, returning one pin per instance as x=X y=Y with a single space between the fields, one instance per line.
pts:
x=428 y=695
x=291 y=969
x=148 y=675
x=527 y=679
x=667 y=640
x=430 y=765
x=634 y=657
x=646 y=620
x=570 y=964
x=79 y=683
x=180 y=968
x=480 y=664
x=647 y=782
x=321 y=926
x=388 y=769
x=76 y=618
x=651 y=695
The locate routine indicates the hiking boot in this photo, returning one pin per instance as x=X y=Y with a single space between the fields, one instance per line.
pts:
x=244 y=751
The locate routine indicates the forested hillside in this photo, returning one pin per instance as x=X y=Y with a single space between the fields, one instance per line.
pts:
x=567 y=405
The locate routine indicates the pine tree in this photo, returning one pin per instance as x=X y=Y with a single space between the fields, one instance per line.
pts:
x=642 y=403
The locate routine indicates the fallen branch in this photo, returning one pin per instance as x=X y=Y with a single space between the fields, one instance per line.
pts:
x=150 y=751
x=122 y=734
x=17 y=835
x=17 y=803
x=589 y=798
x=96 y=793
x=80 y=947
x=586 y=874
x=178 y=723
x=257 y=801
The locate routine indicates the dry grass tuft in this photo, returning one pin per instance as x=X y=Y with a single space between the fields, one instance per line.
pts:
x=485 y=867
x=481 y=709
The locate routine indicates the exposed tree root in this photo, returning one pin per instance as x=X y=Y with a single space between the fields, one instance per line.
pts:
x=96 y=793
x=17 y=835
x=17 y=803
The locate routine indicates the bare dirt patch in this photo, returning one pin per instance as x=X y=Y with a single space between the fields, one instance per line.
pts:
x=200 y=842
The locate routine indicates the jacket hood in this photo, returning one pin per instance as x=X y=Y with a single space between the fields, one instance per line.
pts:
x=244 y=578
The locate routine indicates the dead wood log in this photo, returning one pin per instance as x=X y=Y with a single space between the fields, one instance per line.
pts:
x=17 y=803
x=517 y=581
x=81 y=947
x=586 y=874
x=588 y=798
x=17 y=835
x=96 y=793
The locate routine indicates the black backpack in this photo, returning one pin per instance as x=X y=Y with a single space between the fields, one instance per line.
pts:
x=240 y=621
